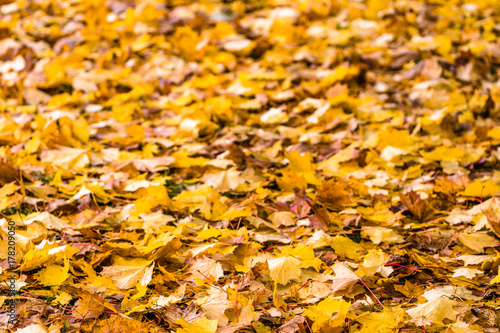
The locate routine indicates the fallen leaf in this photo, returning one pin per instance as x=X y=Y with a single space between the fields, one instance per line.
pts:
x=202 y=325
x=128 y=272
x=385 y=321
x=468 y=273
x=478 y=241
x=344 y=278
x=206 y=268
x=380 y=234
x=436 y=309
x=329 y=313
x=284 y=269
x=493 y=221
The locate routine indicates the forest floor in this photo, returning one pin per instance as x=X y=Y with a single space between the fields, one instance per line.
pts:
x=254 y=166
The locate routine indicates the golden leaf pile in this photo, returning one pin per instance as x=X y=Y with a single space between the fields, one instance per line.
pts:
x=251 y=166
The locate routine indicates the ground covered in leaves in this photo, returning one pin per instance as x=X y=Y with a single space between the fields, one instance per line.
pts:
x=255 y=166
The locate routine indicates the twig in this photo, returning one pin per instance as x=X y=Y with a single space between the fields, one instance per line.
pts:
x=430 y=241
x=214 y=282
x=302 y=286
x=309 y=327
x=364 y=284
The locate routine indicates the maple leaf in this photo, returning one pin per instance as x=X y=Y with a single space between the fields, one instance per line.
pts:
x=333 y=193
x=66 y=158
x=468 y=273
x=86 y=307
x=127 y=273
x=35 y=328
x=123 y=324
x=437 y=308
x=420 y=208
x=174 y=297
x=47 y=254
x=90 y=302
x=215 y=304
x=482 y=189
x=202 y=325
x=493 y=221
x=344 y=278
x=50 y=221
x=282 y=218
x=345 y=247
x=462 y=327
x=54 y=275
x=380 y=234
x=223 y=181
x=323 y=316
x=478 y=241
x=219 y=166
x=284 y=269
x=384 y=322
x=206 y=268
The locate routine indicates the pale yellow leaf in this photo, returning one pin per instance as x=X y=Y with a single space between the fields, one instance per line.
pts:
x=284 y=269
x=437 y=310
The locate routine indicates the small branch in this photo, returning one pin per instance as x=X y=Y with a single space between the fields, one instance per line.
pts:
x=364 y=284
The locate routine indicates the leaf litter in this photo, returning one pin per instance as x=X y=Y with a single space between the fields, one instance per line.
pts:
x=251 y=166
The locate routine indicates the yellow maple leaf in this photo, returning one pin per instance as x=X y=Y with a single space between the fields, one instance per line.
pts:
x=156 y=195
x=284 y=269
x=66 y=158
x=381 y=234
x=156 y=242
x=206 y=268
x=46 y=254
x=477 y=241
x=291 y=180
x=306 y=254
x=202 y=325
x=384 y=322
x=93 y=278
x=185 y=40
x=330 y=312
x=345 y=247
x=436 y=309
x=481 y=189
x=48 y=220
x=54 y=275
x=127 y=272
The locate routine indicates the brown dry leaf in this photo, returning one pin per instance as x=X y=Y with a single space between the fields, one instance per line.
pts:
x=124 y=324
x=215 y=304
x=8 y=173
x=88 y=298
x=333 y=194
x=293 y=325
x=86 y=307
x=420 y=208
